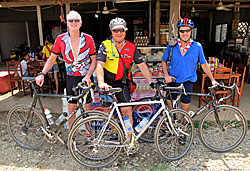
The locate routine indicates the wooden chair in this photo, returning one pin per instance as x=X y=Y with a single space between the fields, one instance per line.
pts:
x=223 y=74
x=241 y=69
x=220 y=74
x=34 y=67
x=16 y=79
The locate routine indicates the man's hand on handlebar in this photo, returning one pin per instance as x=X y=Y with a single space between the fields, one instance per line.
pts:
x=105 y=86
x=169 y=79
x=39 y=80
x=214 y=83
x=87 y=80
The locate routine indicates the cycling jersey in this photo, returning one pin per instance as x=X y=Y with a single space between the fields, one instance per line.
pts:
x=114 y=65
x=86 y=49
x=183 y=68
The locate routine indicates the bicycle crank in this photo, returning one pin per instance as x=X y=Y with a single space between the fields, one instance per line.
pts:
x=49 y=136
x=131 y=148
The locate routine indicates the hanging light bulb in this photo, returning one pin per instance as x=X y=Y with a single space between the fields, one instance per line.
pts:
x=193 y=9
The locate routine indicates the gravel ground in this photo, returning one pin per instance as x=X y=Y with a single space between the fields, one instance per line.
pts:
x=56 y=157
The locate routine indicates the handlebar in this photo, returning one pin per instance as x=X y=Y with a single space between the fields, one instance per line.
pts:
x=218 y=86
x=82 y=86
x=111 y=90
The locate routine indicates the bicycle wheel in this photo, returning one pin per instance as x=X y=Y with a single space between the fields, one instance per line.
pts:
x=146 y=110
x=87 y=113
x=91 y=151
x=24 y=126
x=171 y=143
x=226 y=132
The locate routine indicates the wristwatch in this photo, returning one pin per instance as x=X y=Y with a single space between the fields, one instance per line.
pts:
x=41 y=73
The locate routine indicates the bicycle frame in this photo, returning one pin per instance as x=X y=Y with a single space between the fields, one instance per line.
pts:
x=212 y=101
x=37 y=98
x=115 y=106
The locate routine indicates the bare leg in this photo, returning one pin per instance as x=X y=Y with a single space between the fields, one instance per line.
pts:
x=127 y=111
x=56 y=81
x=185 y=106
x=71 y=107
x=169 y=104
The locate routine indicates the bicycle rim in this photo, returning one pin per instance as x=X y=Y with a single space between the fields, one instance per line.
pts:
x=27 y=135
x=227 y=135
x=170 y=145
x=86 y=150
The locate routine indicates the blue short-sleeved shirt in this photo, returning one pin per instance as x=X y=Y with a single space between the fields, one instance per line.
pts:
x=184 y=68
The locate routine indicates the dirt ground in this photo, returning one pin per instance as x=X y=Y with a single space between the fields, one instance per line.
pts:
x=56 y=157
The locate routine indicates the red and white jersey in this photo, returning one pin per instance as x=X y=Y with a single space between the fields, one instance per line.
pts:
x=86 y=49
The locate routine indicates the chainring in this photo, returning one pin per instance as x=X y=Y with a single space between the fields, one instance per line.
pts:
x=131 y=150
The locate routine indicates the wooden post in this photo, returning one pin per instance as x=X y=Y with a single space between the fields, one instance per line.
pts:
x=174 y=8
x=67 y=11
x=150 y=21
x=40 y=28
x=27 y=32
x=157 y=22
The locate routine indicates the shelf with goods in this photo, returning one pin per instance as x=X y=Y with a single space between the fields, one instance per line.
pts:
x=164 y=34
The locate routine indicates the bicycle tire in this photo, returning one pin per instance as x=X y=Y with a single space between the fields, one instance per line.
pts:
x=168 y=144
x=148 y=135
x=87 y=113
x=83 y=149
x=234 y=129
x=28 y=136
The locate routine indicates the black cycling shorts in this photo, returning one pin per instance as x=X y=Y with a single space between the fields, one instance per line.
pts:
x=72 y=81
x=188 y=88
x=122 y=96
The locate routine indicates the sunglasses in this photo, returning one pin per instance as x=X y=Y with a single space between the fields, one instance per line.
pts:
x=73 y=20
x=183 y=31
x=118 y=30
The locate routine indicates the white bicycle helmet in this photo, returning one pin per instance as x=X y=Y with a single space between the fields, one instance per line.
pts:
x=118 y=22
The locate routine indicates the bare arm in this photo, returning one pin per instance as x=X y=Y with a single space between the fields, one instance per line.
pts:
x=145 y=72
x=207 y=70
x=100 y=75
x=44 y=56
x=48 y=65
x=168 y=78
x=91 y=69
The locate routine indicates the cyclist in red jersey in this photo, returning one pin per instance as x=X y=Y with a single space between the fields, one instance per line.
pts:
x=78 y=50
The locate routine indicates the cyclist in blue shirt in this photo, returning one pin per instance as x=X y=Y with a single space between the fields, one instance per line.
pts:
x=185 y=55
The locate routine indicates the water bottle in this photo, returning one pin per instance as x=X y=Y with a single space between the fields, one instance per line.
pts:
x=128 y=125
x=48 y=116
x=61 y=118
x=142 y=124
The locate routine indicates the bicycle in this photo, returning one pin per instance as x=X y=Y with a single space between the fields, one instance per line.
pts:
x=215 y=121
x=223 y=122
x=29 y=128
x=139 y=114
x=172 y=138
